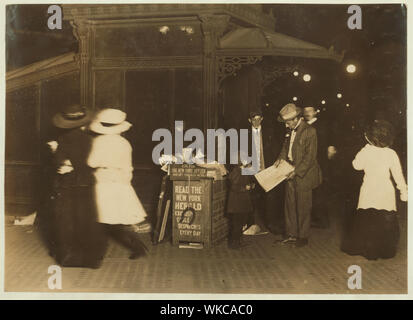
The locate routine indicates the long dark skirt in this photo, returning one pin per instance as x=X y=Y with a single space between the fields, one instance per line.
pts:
x=79 y=240
x=373 y=234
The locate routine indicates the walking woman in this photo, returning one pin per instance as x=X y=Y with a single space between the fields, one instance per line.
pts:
x=375 y=230
x=118 y=206
x=77 y=239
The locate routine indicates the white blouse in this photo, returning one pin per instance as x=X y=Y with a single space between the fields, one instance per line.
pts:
x=377 y=190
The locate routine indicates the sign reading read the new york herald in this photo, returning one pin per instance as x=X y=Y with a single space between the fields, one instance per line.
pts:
x=188 y=209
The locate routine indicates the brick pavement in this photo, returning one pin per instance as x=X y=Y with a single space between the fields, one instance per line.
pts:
x=261 y=267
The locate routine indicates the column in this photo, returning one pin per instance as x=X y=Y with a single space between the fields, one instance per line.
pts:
x=81 y=33
x=213 y=26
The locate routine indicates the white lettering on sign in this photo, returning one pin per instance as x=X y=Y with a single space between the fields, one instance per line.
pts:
x=188 y=197
x=196 y=190
x=194 y=198
x=183 y=205
x=184 y=220
x=181 y=189
x=189 y=226
x=185 y=232
x=182 y=197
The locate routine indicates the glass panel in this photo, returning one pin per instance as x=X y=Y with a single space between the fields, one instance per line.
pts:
x=148 y=40
x=188 y=98
x=108 y=89
x=148 y=104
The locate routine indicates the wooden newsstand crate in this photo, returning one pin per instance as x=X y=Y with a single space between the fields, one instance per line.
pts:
x=205 y=197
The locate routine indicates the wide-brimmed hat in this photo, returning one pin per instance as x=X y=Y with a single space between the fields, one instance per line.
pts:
x=380 y=133
x=110 y=121
x=72 y=116
x=289 y=112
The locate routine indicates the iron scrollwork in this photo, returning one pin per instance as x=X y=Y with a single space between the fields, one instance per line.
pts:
x=228 y=66
x=270 y=74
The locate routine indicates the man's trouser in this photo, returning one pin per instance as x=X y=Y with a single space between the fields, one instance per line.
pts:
x=258 y=199
x=297 y=211
x=268 y=209
x=319 y=213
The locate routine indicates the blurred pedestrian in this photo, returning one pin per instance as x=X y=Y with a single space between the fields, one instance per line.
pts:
x=78 y=240
x=118 y=206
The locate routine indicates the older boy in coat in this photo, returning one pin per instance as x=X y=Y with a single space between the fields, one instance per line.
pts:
x=300 y=149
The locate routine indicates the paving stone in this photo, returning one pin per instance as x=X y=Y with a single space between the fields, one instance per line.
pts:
x=261 y=267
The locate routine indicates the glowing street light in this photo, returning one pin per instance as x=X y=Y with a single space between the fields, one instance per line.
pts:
x=295 y=73
x=339 y=95
x=323 y=102
x=295 y=98
x=306 y=77
x=347 y=105
x=164 y=29
x=351 y=68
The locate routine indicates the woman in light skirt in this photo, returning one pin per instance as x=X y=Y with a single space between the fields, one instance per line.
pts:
x=118 y=206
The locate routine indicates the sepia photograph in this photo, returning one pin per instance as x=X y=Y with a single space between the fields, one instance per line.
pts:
x=205 y=148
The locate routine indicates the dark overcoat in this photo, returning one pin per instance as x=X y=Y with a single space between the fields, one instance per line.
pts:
x=239 y=198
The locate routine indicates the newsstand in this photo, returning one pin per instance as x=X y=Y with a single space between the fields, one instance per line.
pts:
x=198 y=206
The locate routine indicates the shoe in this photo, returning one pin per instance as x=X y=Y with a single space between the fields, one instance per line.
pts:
x=301 y=242
x=93 y=264
x=289 y=240
x=142 y=227
x=254 y=230
x=278 y=238
x=136 y=255
x=275 y=231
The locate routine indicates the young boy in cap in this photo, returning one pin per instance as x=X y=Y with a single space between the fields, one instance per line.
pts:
x=239 y=206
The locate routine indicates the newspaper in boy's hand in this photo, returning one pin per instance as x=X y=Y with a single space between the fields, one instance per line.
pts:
x=272 y=176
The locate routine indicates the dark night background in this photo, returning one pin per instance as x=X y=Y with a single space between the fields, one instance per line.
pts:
x=154 y=97
x=376 y=90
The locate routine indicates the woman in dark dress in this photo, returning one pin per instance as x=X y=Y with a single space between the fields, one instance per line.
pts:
x=79 y=241
x=375 y=230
